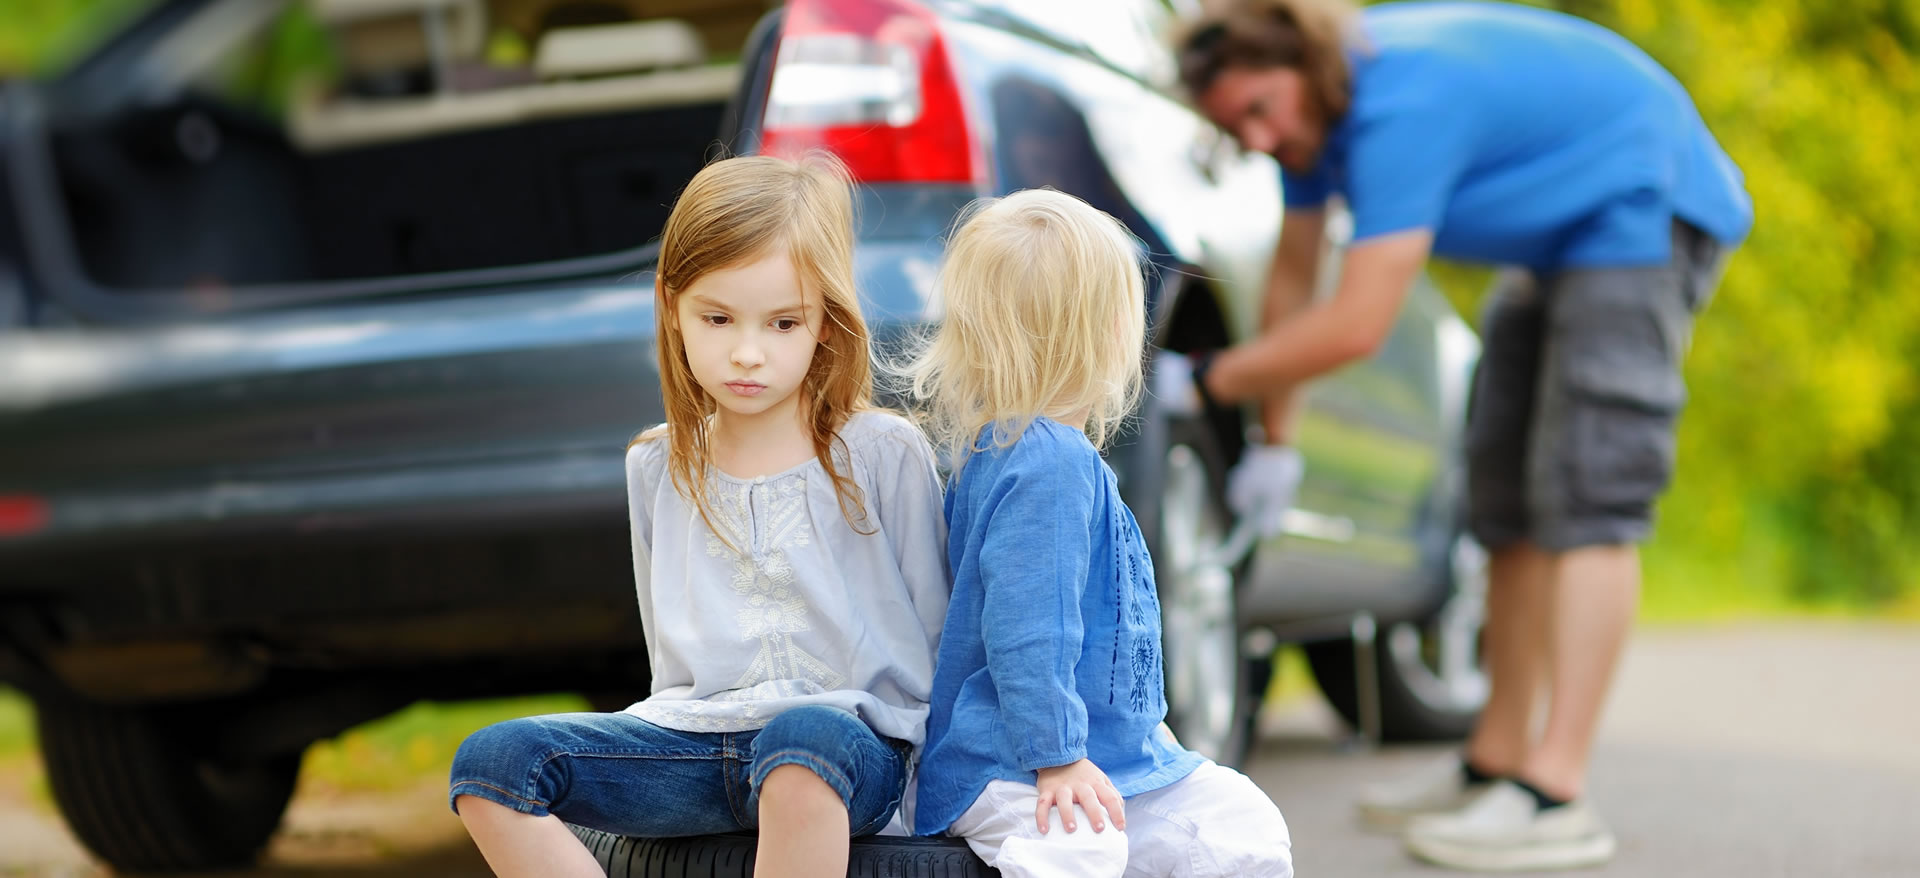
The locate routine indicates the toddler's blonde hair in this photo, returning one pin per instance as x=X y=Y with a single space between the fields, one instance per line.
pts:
x=1044 y=315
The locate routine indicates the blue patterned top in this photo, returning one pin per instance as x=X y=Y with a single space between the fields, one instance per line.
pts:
x=1051 y=648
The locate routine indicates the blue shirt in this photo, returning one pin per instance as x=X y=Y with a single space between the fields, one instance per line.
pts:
x=1520 y=136
x=1051 y=648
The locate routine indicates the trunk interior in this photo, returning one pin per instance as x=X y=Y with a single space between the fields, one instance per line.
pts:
x=445 y=165
x=261 y=212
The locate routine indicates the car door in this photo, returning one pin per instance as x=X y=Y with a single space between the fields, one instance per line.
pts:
x=1376 y=437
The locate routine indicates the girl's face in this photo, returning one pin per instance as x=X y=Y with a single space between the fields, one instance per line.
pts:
x=750 y=337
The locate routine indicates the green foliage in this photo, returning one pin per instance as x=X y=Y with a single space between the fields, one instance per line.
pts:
x=39 y=35
x=295 y=52
x=1798 y=474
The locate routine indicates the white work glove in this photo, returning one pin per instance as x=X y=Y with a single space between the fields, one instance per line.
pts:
x=1264 y=484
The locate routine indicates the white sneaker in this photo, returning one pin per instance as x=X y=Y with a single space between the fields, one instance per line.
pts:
x=1505 y=830
x=1439 y=788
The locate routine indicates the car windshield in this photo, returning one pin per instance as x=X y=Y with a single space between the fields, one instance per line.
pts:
x=45 y=38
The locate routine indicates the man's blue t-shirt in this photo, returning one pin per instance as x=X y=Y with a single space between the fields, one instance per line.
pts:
x=1522 y=137
x=1051 y=648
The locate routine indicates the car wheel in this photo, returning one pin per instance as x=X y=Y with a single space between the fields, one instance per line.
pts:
x=1172 y=470
x=1208 y=706
x=140 y=796
x=731 y=856
x=1432 y=685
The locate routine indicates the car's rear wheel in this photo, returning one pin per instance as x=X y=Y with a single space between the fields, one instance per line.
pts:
x=731 y=856
x=1209 y=706
x=141 y=795
x=1432 y=685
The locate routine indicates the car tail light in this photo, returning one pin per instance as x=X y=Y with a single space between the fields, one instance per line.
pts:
x=870 y=81
x=21 y=515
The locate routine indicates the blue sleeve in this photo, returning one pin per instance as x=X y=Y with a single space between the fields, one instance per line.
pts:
x=1404 y=162
x=1311 y=189
x=1036 y=548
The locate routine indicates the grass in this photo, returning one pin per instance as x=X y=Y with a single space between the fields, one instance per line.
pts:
x=1292 y=678
x=16 y=726
x=1690 y=578
x=395 y=752
x=391 y=753
x=21 y=779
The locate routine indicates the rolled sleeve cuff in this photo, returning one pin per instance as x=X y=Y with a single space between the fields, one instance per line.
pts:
x=1033 y=760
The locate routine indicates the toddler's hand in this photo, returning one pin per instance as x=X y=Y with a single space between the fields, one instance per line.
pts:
x=1083 y=782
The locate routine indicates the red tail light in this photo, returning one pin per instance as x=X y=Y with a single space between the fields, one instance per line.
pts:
x=870 y=81
x=21 y=515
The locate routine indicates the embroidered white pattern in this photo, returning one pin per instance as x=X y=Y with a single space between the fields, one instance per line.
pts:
x=774 y=610
x=693 y=716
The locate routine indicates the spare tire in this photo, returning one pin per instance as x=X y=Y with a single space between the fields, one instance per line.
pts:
x=731 y=856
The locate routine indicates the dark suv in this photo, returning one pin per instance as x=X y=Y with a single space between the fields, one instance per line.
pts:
x=323 y=325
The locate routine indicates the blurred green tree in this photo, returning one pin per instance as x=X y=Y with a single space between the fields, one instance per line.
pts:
x=38 y=34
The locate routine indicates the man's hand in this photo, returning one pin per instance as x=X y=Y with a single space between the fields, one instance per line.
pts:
x=1264 y=484
x=1082 y=782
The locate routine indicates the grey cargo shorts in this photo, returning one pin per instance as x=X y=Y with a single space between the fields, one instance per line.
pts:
x=1570 y=431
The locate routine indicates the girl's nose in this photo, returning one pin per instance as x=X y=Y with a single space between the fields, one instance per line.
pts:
x=747 y=355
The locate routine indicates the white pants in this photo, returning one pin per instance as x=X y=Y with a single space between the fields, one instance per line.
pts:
x=1213 y=823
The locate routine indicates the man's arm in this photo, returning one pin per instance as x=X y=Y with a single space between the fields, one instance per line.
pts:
x=1352 y=325
x=1291 y=280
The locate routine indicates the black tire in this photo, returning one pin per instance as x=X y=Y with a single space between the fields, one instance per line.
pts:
x=731 y=856
x=141 y=797
x=1422 y=697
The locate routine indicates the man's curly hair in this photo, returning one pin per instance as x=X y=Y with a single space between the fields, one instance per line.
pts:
x=1311 y=36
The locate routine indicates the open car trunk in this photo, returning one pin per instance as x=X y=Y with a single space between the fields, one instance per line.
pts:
x=319 y=148
x=145 y=216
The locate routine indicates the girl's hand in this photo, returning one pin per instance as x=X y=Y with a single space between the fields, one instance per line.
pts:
x=1082 y=782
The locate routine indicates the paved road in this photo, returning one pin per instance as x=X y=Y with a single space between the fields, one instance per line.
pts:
x=1746 y=751
x=1791 y=751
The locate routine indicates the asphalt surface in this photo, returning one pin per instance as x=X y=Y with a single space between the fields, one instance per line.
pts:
x=1788 y=750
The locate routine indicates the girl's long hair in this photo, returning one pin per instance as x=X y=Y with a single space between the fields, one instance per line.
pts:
x=1045 y=314
x=734 y=212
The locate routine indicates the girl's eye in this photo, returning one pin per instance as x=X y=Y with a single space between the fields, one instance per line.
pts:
x=716 y=319
x=786 y=324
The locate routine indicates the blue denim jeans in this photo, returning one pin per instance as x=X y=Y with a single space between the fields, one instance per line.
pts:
x=621 y=774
